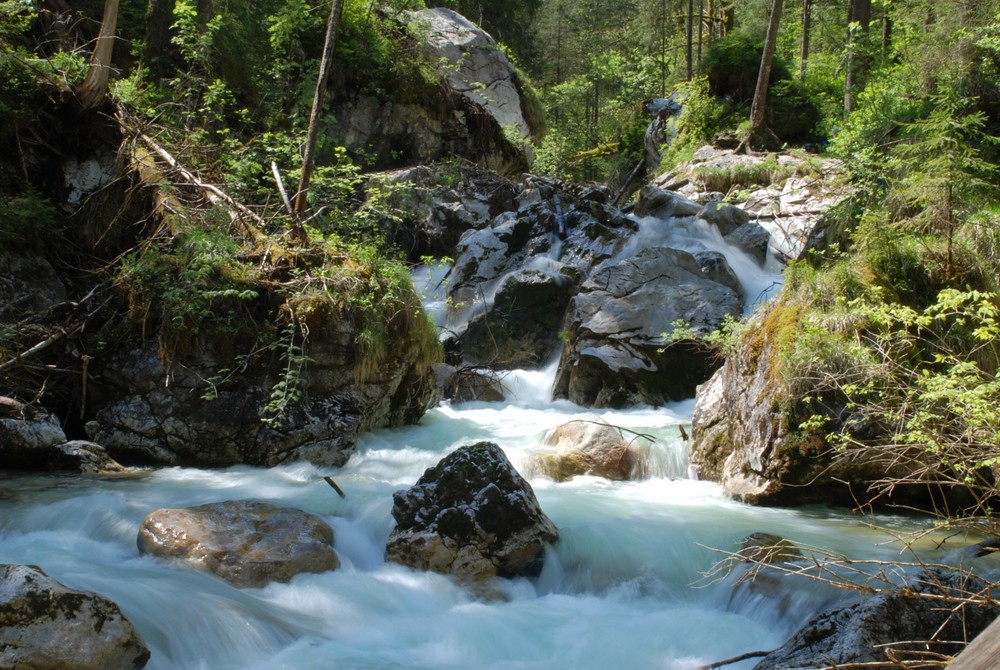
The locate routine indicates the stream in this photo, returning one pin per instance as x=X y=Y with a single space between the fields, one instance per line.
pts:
x=625 y=586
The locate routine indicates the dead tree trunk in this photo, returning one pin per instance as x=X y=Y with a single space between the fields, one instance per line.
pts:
x=95 y=86
x=308 y=156
x=806 y=27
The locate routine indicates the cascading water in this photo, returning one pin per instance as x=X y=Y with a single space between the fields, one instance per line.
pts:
x=623 y=588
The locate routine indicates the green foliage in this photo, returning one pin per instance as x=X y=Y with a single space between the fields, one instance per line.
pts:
x=744 y=174
x=27 y=222
x=731 y=67
x=702 y=116
x=196 y=287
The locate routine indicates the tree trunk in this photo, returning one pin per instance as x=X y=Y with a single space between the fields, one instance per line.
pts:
x=764 y=75
x=156 y=46
x=690 y=40
x=701 y=27
x=308 y=157
x=91 y=92
x=859 y=14
x=806 y=26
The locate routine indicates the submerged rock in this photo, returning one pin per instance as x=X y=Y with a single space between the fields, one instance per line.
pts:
x=248 y=543
x=905 y=622
x=47 y=626
x=588 y=448
x=472 y=515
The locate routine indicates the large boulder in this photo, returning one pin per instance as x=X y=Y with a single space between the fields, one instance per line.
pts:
x=513 y=280
x=473 y=516
x=619 y=326
x=47 y=626
x=906 y=622
x=475 y=110
x=27 y=435
x=588 y=448
x=750 y=429
x=248 y=543
x=161 y=413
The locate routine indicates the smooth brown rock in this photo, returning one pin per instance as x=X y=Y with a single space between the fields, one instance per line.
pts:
x=248 y=543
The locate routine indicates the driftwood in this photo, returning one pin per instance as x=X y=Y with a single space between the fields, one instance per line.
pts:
x=340 y=491
x=734 y=659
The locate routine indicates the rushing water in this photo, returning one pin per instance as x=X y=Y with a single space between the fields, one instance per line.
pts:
x=623 y=588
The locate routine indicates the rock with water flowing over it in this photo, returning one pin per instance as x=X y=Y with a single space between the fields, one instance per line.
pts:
x=588 y=448
x=472 y=515
x=897 y=622
x=248 y=543
x=46 y=626
x=619 y=352
x=513 y=279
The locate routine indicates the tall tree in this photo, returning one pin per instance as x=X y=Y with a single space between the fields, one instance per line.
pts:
x=806 y=27
x=757 y=126
x=859 y=15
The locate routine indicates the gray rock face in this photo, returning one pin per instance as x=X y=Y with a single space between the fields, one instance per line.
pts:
x=740 y=434
x=178 y=423
x=28 y=284
x=47 y=626
x=472 y=515
x=513 y=280
x=475 y=113
x=859 y=633
x=588 y=448
x=753 y=239
x=247 y=543
x=26 y=439
x=618 y=355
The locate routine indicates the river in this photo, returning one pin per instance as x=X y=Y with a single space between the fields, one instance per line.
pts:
x=625 y=587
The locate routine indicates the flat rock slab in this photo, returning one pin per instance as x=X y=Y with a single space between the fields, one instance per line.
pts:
x=45 y=625
x=246 y=542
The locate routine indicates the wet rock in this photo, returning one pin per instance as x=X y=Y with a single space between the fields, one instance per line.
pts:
x=522 y=327
x=468 y=384
x=715 y=267
x=27 y=437
x=472 y=515
x=588 y=448
x=513 y=280
x=85 y=457
x=619 y=324
x=248 y=543
x=726 y=218
x=654 y=201
x=768 y=548
x=753 y=239
x=47 y=626
x=898 y=622
x=163 y=415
